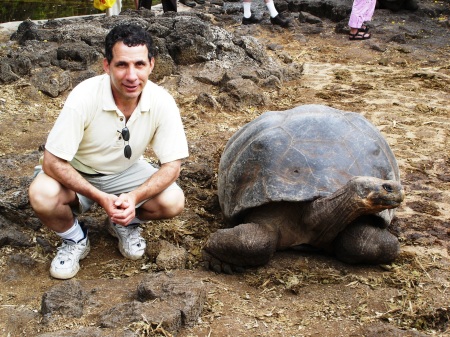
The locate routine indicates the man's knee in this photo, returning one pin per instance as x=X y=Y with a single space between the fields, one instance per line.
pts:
x=166 y=205
x=45 y=193
x=172 y=203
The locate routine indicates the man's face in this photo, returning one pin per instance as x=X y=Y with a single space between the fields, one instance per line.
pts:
x=129 y=70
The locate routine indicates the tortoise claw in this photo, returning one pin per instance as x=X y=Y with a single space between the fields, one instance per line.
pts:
x=217 y=266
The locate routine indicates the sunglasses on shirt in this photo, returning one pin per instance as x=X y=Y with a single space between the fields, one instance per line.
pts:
x=126 y=137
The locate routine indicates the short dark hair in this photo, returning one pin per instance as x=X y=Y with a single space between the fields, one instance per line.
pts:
x=131 y=35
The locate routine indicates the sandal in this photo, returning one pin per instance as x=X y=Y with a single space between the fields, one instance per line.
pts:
x=363 y=29
x=359 y=36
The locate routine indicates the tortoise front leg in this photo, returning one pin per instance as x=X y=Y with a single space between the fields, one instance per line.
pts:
x=364 y=242
x=233 y=249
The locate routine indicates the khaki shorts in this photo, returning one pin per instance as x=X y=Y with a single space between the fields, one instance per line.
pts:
x=117 y=184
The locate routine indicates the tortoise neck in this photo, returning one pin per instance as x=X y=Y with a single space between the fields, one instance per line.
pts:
x=327 y=217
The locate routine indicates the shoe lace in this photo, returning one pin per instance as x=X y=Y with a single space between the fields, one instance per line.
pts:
x=132 y=234
x=68 y=249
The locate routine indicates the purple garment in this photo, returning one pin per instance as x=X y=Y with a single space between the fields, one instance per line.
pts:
x=362 y=10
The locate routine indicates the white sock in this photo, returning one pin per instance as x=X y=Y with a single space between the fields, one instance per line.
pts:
x=75 y=233
x=271 y=7
x=247 y=11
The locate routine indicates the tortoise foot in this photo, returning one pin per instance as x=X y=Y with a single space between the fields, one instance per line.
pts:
x=243 y=246
x=364 y=243
x=211 y=263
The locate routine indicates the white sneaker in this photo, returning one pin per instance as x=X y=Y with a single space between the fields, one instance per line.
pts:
x=131 y=243
x=65 y=264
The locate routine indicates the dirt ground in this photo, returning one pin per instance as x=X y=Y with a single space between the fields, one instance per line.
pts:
x=404 y=91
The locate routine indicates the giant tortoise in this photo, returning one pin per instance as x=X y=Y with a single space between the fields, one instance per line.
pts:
x=312 y=176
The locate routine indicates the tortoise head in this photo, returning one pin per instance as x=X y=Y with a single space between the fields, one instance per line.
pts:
x=377 y=194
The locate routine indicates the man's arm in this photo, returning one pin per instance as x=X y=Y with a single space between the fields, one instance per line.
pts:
x=60 y=170
x=158 y=182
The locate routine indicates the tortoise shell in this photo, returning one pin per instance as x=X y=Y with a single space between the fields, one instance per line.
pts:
x=299 y=155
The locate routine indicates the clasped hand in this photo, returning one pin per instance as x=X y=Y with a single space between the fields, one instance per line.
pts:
x=121 y=209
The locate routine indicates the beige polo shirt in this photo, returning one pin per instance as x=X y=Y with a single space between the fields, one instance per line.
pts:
x=87 y=131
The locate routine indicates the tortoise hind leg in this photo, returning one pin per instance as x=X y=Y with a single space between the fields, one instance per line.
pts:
x=361 y=242
x=246 y=245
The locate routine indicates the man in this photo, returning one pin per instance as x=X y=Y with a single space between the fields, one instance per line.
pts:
x=275 y=17
x=94 y=153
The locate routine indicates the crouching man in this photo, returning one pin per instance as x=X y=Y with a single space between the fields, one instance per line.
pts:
x=93 y=154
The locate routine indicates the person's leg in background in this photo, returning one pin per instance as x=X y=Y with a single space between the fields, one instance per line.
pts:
x=169 y=5
x=144 y=4
x=115 y=9
x=249 y=18
x=362 y=11
x=275 y=17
